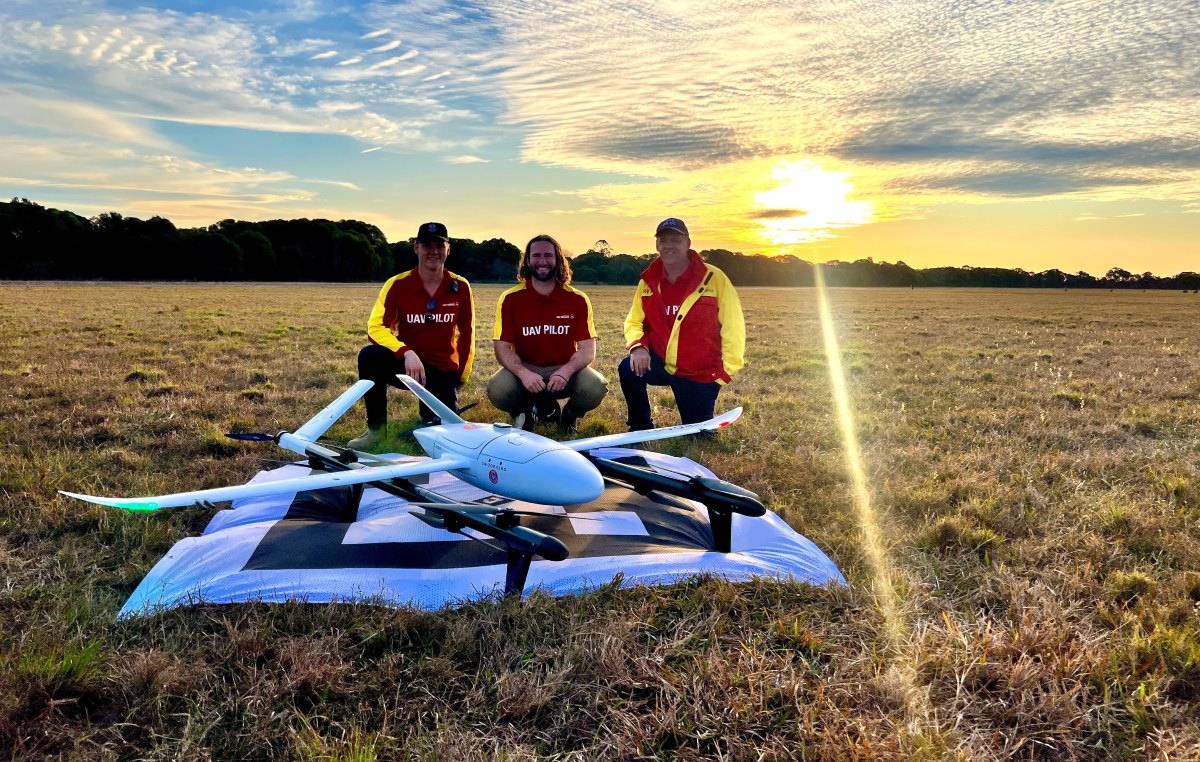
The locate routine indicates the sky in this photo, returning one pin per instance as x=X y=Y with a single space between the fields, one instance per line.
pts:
x=1035 y=135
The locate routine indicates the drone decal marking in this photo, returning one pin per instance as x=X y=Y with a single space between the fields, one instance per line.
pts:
x=493 y=477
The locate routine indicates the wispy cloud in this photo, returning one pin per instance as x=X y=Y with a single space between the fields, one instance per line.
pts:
x=337 y=184
x=82 y=164
x=393 y=61
x=37 y=108
x=925 y=87
x=675 y=105
x=204 y=69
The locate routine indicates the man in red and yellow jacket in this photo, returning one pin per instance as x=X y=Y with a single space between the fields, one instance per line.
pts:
x=423 y=324
x=685 y=330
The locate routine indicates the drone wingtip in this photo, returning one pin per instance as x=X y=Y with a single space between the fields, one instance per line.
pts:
x=128 y=505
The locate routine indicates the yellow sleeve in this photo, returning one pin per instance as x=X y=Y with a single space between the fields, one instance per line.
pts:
x=466 y=333
x=733 y=327
x=591 y=323
x=635 y=329
x=498 y=328
x=376 y=330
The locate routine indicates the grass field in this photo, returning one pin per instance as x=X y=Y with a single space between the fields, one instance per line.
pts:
x=1032 y=458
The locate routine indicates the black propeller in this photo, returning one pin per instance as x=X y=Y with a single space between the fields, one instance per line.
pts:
x=251 y=436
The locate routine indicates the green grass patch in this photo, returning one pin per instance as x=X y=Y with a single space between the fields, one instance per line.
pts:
x=1035 y=484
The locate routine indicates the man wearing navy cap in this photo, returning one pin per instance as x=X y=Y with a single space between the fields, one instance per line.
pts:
x=685 y=330
x=423 y=324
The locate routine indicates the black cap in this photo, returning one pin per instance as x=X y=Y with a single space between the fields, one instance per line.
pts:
x=431 y=230
x=671 y=223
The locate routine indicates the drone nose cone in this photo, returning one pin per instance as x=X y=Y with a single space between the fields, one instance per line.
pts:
x=568 y=478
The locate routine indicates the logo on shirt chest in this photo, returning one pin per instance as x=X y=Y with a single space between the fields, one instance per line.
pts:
x=672 y=310
x=419 y=318
x=546 y=329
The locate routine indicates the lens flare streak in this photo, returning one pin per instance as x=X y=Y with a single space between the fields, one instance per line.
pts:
x=880 y=565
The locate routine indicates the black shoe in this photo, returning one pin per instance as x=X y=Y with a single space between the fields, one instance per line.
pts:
x=548 y=411
x=641 y=426
x=568 y=422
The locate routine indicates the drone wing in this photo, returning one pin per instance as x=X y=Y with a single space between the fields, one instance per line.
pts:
x=283 y=486
x=649 y=435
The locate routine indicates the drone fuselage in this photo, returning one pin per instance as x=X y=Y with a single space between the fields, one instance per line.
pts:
x=514 y=463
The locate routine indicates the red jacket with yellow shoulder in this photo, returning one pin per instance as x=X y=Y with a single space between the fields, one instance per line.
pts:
x=706 y=340
x=440 y=329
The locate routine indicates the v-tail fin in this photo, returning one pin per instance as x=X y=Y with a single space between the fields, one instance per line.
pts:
x=436 y=405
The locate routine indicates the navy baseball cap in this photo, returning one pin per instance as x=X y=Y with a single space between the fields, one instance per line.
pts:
x=431 y=230
x=671 y=223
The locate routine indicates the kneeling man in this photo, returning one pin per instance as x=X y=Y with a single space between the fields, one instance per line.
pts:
x=545 y=341
x=685 y=330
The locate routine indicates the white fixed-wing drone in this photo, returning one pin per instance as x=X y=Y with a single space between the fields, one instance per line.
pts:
x=494 y=457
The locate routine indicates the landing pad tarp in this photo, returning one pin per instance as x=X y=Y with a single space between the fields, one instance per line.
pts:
x=314 y=547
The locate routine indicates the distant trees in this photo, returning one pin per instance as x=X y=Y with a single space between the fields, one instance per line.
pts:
x=41 y=243
x=48 y=243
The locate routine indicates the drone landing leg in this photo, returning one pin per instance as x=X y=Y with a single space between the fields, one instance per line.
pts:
x=516 y=573
x=721 y=522
x=356 y=493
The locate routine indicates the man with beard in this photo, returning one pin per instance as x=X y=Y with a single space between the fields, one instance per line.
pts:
x=423 y=325
x=545 y=341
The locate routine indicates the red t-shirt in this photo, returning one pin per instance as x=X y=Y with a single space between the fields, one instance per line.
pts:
x=544 y=330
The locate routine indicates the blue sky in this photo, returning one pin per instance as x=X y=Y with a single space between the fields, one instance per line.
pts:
x=1031 y=135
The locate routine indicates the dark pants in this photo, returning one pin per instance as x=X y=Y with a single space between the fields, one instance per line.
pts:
x=380 y=364
x=696 y=401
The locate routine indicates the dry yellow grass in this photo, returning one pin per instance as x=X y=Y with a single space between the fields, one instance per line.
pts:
x=1032 y=457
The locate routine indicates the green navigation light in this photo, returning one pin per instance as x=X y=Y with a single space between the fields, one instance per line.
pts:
x=146 y=506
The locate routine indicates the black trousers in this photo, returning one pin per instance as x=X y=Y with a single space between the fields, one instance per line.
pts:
x=380 y=364
x=696 y=401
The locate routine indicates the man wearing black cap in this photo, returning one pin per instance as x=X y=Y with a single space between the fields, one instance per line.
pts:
x=423 y=324
x=685 y=330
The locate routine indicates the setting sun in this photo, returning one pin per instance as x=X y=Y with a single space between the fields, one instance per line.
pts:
x=808 y=204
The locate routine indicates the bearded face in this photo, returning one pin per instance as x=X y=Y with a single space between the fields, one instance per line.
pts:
x=542 y=261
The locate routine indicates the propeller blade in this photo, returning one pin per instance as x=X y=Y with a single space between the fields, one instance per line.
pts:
x=250 y=436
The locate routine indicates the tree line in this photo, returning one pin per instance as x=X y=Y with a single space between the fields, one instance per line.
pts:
x=43 y=243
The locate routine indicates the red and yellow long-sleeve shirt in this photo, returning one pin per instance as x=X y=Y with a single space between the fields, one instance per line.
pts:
x=544 y=330
x=694 y=324
x=440 y=329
